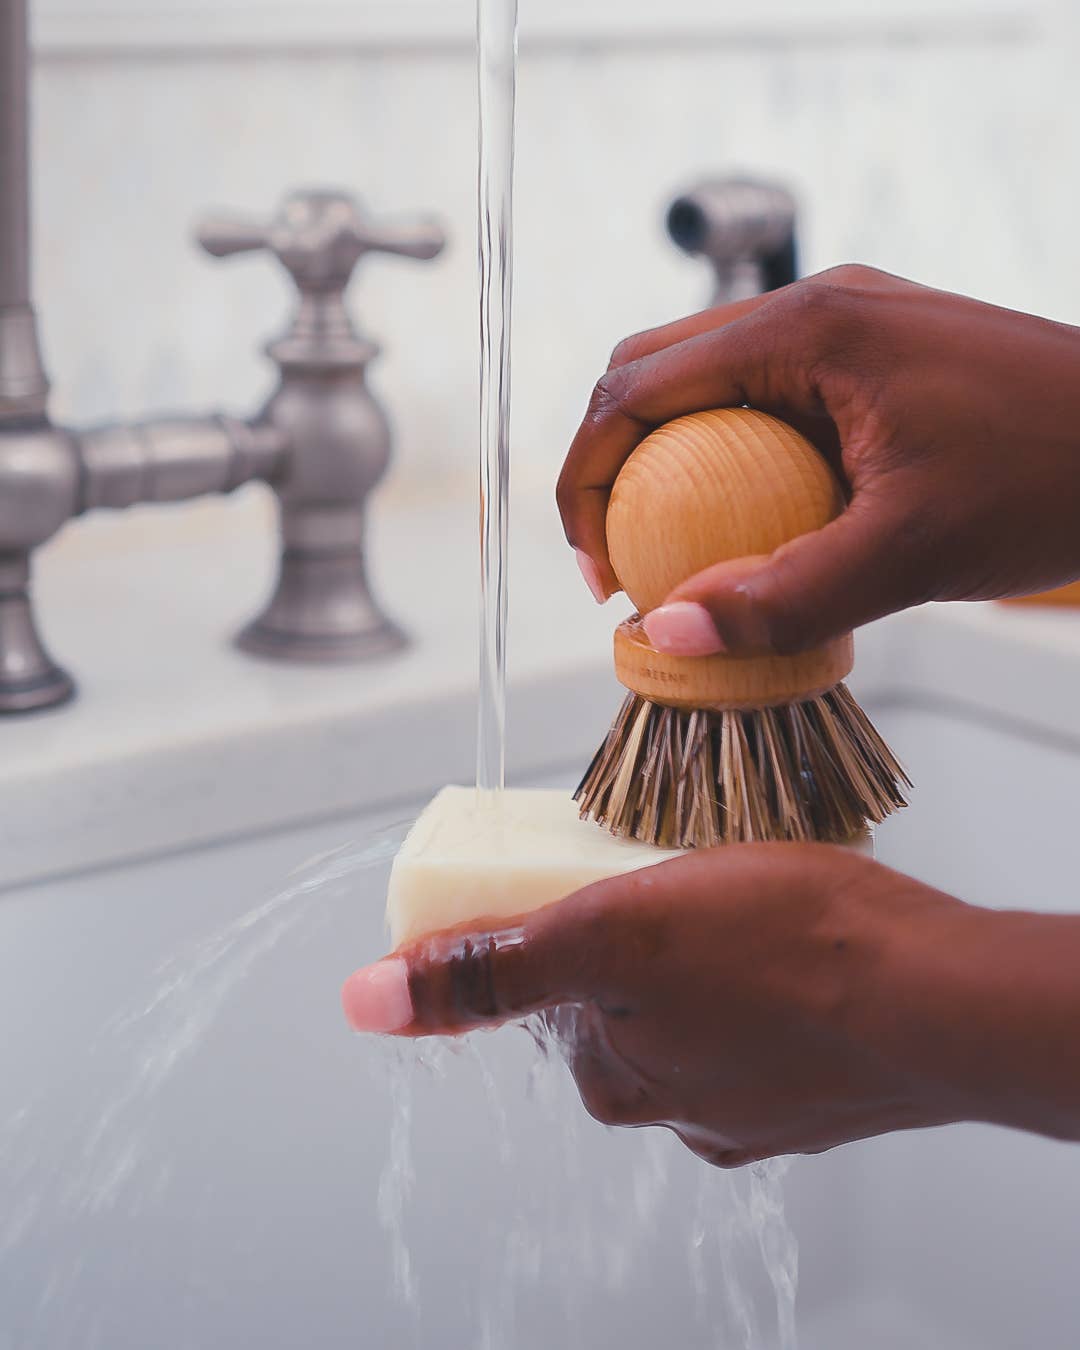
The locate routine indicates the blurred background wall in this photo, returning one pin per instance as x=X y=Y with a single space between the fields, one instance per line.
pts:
x=934 y=139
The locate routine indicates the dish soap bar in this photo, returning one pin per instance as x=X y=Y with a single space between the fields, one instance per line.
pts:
x=475 y=855
x=478 y=855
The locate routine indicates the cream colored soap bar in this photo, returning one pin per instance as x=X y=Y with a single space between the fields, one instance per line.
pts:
x=475 y=855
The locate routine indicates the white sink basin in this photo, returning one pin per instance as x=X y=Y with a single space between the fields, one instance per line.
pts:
x=207 y=1174
x=235 y=1201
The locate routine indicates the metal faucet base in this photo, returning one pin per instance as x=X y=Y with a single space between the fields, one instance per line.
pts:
x=29 y=678
x=322 y=610
x=52 y=689
x=262 y=639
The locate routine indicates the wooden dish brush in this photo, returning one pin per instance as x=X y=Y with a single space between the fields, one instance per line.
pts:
x=724 y=749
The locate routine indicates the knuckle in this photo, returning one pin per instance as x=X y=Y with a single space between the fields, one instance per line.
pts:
x=611 y=1090
x=729 y=1159
x=455 y=982
x=821 y=301
x=626 y=351
x=608 y=397
x=715 y=1152
x=610 y=1106
x=851 y=276
x=599 y=1102
x=818 y=322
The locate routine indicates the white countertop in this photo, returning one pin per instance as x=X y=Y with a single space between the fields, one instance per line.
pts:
x=178 y=738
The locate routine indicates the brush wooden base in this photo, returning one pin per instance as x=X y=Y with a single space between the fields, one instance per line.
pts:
x=723 y=682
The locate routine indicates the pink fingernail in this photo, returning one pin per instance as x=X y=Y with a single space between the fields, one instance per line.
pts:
x=377 y=998
x=683 y=629
x=591 y=573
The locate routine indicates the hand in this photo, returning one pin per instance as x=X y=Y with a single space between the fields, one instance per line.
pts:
x=769 y=998
x=954 y=424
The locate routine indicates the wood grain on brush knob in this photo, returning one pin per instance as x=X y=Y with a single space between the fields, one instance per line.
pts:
x=708 y=488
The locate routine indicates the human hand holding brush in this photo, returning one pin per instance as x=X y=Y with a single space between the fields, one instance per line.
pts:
x=951 y=423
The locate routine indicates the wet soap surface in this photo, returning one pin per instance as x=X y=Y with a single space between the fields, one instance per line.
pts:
x=474 y=855
x=495 y=855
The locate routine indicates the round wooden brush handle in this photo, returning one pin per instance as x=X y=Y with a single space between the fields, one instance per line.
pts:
x=707 y=488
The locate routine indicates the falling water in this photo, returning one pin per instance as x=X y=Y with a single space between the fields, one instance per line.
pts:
x=496 y=29
x=580 y=1236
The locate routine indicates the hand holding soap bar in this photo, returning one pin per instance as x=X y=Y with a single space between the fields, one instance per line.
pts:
x=746 y=998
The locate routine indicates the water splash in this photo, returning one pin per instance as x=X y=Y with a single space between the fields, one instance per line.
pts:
x=399 y=1173
x=193 y=987
x=776 y=1242
x=577 y=1210
x=56 y=1203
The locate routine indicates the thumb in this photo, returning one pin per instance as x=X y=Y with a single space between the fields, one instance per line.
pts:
x=455 y=980
x=860 y=566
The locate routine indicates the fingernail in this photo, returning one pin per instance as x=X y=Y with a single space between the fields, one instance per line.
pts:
x=683 y=628
x=591 y=573
x=377 y=998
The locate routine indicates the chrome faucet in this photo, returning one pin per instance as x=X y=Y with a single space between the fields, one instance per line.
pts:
x=321 y=441
x=744 y=228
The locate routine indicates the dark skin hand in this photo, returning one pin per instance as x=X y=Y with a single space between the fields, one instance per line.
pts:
x=783 y=998
x=768 y=998
x=954 y=424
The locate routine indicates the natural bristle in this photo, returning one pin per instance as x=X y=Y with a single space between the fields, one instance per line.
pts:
x=815 y=770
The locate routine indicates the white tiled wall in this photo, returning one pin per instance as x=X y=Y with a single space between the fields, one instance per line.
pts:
x=944 y=151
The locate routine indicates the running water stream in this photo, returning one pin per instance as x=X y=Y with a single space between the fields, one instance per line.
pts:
x=496 y=33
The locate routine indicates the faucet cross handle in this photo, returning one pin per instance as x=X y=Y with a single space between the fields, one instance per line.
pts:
x=336 y=437
x=319 y=236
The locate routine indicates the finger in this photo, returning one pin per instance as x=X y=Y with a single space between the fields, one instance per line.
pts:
x=761 y=351
x=852 y=276
x=652 y=340
x=864 y=564
x=766 y=359
x=592 y=552
x=459 y=979
x=598 y=945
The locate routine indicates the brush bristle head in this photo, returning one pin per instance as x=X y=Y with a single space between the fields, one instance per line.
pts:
x=813 y=771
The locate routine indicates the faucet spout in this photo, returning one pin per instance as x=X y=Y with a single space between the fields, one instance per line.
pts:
x=746 y=230
x=23 y=384
x=14 y=156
